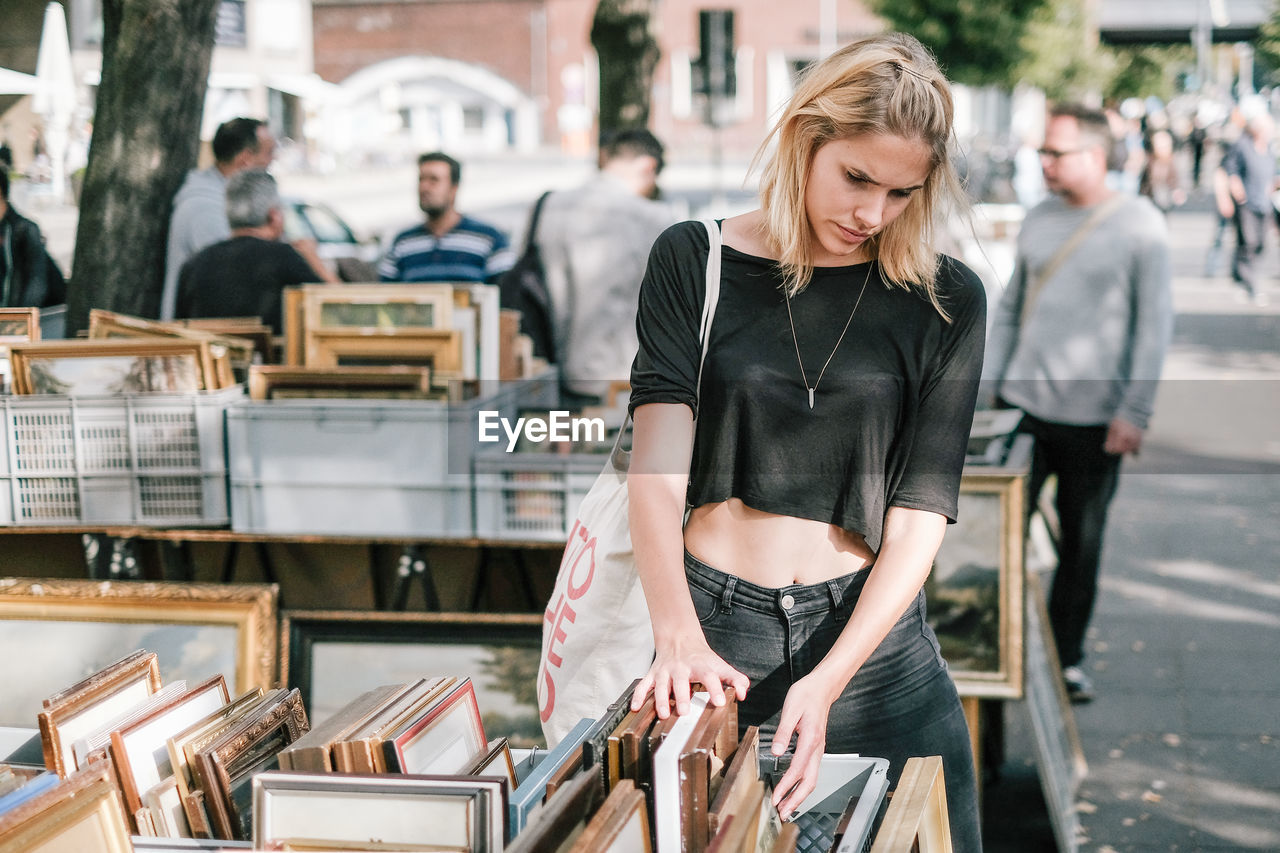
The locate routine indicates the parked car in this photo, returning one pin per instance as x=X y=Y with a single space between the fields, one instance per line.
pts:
x=336 y=241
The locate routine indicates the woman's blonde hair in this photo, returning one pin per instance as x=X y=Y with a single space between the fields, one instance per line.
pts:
x=884 y=84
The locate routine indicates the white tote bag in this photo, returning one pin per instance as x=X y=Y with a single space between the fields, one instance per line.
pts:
x=596 y=635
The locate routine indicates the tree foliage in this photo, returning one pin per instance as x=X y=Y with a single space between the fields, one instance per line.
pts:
x=977 y=42
x=146 y=136
x=627 y=51
x=1058 y=57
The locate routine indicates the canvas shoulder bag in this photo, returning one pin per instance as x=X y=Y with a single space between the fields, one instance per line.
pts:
x=596 y=634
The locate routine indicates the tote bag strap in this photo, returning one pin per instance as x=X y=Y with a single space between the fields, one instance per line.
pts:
x=622 y=458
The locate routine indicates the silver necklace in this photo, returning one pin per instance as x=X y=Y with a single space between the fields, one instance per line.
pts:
x=804 y=377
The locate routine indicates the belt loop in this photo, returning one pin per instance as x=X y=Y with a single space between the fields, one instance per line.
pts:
x=837 y=597
x=726 y=596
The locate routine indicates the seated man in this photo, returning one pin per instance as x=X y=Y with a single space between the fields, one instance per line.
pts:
x=243 y=276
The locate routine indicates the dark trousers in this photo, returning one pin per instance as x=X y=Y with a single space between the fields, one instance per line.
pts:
x=1087 y=479
x=901 y=702
x=1251 y=229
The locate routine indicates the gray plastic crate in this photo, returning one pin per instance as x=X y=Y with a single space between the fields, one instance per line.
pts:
x=361 y=467
x=150 y=459
x=531 y=496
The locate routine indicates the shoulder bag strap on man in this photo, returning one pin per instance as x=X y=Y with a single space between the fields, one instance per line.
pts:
x=532 y=233
x=1034 y=287
x=621 y=457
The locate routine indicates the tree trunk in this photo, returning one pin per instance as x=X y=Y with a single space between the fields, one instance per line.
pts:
x=628 y=53
x=146 y=136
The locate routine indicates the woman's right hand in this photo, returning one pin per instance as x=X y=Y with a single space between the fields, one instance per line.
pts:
x=680 y=663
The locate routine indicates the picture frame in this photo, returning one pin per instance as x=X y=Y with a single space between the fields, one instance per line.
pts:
x=82 y=814
x=19 y=325
x=224 y=352
x=74 y=712
x=251 y=329
x=447 y=738
x=140 y=751
x=439 y=349
x=323 y=810
x=532 y=790
x=269 y=381
x=975 y=591
x=332 y=656
x=497 y=763
x=186 y=743
x=73 y=626
x=620 y=825
x=226 y=767
x=564 y=812
x=917 y=815
x=376 y=307
x=163 y=802
x=110 y=366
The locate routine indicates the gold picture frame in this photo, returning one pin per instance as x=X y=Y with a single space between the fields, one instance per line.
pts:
x=378 y=307
x=440 y=349
x=83 y=813
x=223 y=352
x=976 y=590
x=268 y=381
x=916 y=819
x=67 y=621
x=110 y=366
x=18 y=325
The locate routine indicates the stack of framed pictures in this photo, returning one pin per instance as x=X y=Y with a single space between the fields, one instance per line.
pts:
x=453 y=329
x=80 y=814
x=392 y=381
x=17 y=326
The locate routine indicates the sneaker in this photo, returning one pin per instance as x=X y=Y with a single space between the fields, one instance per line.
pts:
x=1079 y=686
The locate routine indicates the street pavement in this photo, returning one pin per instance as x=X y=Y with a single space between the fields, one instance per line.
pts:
x=1183 y=740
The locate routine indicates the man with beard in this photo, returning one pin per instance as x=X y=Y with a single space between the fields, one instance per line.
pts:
x=448 y=246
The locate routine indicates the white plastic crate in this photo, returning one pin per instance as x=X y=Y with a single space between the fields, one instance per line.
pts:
x=361 y=467
x=532 y=496
x=150 y=459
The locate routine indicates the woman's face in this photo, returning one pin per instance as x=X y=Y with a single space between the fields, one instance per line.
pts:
x=857 y=186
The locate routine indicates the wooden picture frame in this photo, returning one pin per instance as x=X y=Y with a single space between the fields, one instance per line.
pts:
x=268 y=381
x=225 y=352
x=377 y=307
x=620 y=825
x=563 y=813
x=327 y=811
x=83 y=814
x=448 y=737
x=110 y=366
x=139 y=749
x=975 y=591
x=183 y=745
x=71 y=626
x=439 y=349
x=251 y=329
x=226 y=767
x=80 y=709
x=163 y=802
x=497 y=763
x=916 y=819
x=332 y=656
x=362 y=748
x=18 y=325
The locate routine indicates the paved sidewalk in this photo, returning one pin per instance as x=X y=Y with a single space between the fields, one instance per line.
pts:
x=1183 y=741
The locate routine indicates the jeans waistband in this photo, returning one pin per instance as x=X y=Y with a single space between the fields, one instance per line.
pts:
x=795 y=599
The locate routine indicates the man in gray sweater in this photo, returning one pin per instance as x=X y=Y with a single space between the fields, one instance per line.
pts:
x=1077 y=342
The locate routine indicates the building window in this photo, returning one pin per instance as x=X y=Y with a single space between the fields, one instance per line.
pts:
x=473 y=119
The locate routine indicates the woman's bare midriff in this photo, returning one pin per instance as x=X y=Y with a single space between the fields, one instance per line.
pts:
x=772 y=550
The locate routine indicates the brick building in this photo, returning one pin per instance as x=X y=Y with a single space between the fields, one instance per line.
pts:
x=487 y=75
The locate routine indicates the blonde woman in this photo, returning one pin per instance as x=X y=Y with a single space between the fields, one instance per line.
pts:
x=832 y=415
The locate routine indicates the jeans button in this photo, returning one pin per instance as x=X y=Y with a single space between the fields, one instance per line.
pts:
x=788 y=602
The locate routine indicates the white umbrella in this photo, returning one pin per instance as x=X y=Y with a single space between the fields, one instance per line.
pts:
x=16 y=83
x=55 y=95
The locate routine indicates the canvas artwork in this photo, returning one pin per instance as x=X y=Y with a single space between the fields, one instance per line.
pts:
x=55 y=654
x=964 y=589
x=115 y=374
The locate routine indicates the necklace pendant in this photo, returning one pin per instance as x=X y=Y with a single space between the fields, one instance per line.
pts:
x=810 y=398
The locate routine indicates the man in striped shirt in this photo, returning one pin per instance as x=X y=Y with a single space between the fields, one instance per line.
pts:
x=448 y=246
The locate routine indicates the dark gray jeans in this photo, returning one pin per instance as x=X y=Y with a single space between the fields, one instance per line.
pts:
x=901 y=703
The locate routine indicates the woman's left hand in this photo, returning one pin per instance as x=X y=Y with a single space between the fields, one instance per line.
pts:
x=804 y=716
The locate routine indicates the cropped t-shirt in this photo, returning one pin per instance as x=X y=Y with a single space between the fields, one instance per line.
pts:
x=891 y=415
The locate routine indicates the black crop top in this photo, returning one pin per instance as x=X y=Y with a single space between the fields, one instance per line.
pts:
x=892 y=413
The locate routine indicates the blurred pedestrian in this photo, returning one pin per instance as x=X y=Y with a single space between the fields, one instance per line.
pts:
x=1077 y=343
x=1251 y=179
x=1161 y=179
x=244 y=275
x=594 y=243
x=199 y=215
x=6 y=155
x=24 y=264
x=448 y=246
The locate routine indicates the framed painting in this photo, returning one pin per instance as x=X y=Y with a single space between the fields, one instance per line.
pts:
x=377 y=307
x=69 y=628
x=301 y=811
x=975 y=591
x=447 y=738
x=273 y=381
x=332 y=656
x=230 y=350
x=439 y=349
x=110 y=366
x=81 y=815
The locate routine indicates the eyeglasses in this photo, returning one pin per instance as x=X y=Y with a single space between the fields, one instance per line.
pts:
x=1052 y=154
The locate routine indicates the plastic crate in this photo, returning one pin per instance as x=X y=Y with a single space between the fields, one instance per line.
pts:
x=361 y=467
x=150 y=459
x=531 y=496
